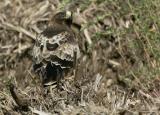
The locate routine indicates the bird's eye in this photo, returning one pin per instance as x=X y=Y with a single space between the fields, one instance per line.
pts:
x=62 y=14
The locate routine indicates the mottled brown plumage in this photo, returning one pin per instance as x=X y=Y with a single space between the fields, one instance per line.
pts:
x=55 y=48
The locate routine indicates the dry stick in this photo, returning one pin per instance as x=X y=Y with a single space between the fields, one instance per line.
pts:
x=87 y=37
x=23 y=104
x=19 y=29
x=85 y=31
x=22 y=48
x=39 y=112
x=114 y=63
x=19 y=101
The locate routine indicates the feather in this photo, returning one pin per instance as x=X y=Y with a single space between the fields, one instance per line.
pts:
x=55 y=47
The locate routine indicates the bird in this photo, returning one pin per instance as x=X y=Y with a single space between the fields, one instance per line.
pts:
x=56 y=48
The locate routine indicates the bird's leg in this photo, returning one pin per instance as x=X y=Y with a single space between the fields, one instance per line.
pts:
x=74 y=59
x=43 y=75
x=59 y=77
x=40 y=70
x=75 y=64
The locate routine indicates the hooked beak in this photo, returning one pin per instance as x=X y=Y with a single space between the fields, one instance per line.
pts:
x=68 y=14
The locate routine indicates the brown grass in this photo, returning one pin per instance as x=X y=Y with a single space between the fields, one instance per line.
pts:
x=118 y=72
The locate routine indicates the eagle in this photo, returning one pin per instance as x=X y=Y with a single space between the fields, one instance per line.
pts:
x=56 y=49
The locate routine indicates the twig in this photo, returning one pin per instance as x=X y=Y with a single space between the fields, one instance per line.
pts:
x=112 y=62
x=22 y=48
x=87 y=37
x=23 y=104
x=97 y=82
x=19 y=29
x=39 y=112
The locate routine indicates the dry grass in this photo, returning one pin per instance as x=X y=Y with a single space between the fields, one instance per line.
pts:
x=118 y=72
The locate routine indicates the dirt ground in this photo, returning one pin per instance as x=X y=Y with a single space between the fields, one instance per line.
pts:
x=119 y=68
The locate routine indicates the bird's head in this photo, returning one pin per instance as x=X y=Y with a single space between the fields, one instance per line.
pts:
x=62 y=17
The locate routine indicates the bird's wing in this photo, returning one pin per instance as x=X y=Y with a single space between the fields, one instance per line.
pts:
x=57 y=46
